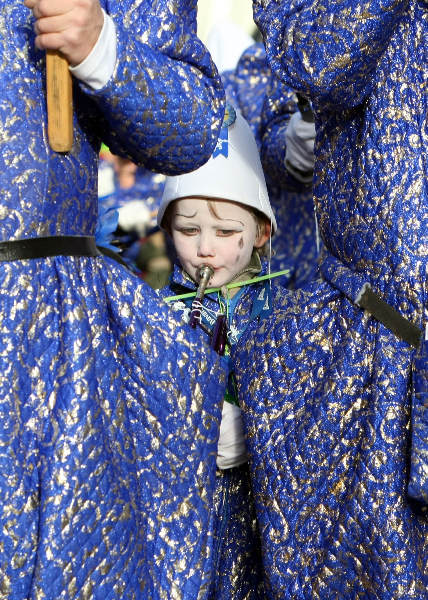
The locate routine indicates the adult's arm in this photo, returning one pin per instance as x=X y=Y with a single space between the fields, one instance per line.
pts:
x=328 y=49
x=267 y=105
x=278 y=107
x=163 y=104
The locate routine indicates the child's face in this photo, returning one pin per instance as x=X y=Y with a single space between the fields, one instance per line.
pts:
x=225 y=243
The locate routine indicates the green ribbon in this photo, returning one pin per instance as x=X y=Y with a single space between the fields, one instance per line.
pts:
x=229 y=286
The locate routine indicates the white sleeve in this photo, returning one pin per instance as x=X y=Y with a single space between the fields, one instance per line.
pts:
x=98 y=66
x=231 y=451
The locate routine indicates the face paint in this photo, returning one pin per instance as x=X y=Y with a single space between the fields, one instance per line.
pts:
x=204 y=238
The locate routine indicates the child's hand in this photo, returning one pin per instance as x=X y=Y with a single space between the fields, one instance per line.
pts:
x=70 y=26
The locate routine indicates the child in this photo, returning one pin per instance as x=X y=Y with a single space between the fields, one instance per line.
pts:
x=220 y=216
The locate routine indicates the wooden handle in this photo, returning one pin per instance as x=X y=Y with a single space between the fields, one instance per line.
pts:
x=59 y=95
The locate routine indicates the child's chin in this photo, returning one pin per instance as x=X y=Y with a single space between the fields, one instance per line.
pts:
x=218 y=281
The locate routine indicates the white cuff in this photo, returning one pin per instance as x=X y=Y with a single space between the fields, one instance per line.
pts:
x=231 y=451
x=98 y=66
x=300 y=138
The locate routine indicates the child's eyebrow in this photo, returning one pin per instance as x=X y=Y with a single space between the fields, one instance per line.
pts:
x=185 y=216
x=234 y=221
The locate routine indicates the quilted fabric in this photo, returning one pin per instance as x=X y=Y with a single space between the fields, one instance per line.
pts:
x=418 y=480
x=237 y=573
x=326 y=389
x=109 y=408
x=267 y=105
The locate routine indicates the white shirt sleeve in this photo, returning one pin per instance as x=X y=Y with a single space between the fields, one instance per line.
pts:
x=231 y=451
x=98 y=66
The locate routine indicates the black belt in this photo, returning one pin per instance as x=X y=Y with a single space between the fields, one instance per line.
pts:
x=42 y=247
x=386 y=314
x=354 y=286
x=114 y=255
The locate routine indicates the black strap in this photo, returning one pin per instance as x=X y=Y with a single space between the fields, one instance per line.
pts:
x=42 y=247
x=114 y=255
x=387 y=315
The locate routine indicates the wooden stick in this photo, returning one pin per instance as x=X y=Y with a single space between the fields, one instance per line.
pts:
x=59 y=95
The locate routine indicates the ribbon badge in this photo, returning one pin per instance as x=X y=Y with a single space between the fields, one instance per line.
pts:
x=222 y=146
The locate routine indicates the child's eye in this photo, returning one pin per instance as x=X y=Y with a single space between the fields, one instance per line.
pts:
x=188 y=230
x=225 y=232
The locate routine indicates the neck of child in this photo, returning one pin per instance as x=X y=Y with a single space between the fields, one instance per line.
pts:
x=251 y=270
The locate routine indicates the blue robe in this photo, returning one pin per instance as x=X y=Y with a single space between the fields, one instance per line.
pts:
x=333 y=400
x=109 y=408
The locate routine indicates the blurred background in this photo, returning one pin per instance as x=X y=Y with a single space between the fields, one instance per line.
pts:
x=211 y=12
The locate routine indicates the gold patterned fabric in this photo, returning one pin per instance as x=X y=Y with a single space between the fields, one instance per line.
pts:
x=327 y=390
x=237 y=573
x=109 y=408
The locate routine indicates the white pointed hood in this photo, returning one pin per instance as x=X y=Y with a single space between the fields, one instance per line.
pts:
x=234 y=172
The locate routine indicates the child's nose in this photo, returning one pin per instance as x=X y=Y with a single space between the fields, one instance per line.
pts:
x=206 y=245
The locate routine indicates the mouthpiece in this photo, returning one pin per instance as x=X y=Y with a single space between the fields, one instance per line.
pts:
x=205 y=272
x=204 y=275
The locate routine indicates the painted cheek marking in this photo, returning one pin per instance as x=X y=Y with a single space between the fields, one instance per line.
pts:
x=241 y=243
x=237 y=258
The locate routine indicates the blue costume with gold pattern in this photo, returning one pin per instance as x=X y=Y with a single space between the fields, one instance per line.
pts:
x=109 y=408
x=334 y=402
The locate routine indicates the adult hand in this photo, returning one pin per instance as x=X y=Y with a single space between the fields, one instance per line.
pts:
x=70 y=26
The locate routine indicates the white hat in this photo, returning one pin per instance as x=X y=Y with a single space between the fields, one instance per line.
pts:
x=234 y=172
